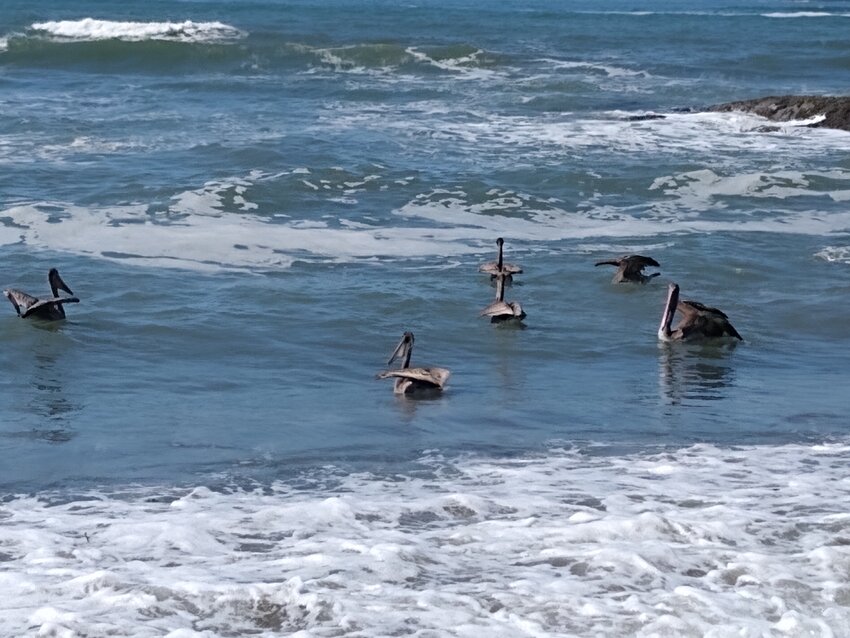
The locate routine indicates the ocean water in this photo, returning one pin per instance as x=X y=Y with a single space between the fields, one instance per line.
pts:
x=254 y=200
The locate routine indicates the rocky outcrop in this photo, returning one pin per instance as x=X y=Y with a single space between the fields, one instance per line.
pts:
x=836 y=110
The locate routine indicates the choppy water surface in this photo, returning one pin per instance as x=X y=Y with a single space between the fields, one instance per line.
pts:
x=254 y=200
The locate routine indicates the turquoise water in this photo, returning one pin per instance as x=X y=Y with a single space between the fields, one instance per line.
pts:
x=254 y=200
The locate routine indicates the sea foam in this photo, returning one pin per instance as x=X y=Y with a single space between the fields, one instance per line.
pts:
x=92 y=29
x=803 y=14
x=219 y=226
x=702 y=541
x=839 y=254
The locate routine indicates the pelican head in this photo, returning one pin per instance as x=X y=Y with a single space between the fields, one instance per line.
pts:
x=404 y=350
x=56 y=283
x=499 y=267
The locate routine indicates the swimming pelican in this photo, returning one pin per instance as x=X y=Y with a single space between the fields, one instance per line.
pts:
x=409 y=380
x=50 y=309
x=500 y=311
x=697 y=322
x=499 y=267
x=630 y=268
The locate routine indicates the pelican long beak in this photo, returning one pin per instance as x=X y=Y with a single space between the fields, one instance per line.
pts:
x=500 y=287
x=606 y=263
x=500 y=242
x=669 y=311
x=402 y=350
x=56 y=283
x=397 y=352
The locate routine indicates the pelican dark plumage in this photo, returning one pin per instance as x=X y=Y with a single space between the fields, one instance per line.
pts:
x=500 y=310
x=499 y=267
x=630 y=268
x=413 y=381
x=49 y=309
x=698 y=321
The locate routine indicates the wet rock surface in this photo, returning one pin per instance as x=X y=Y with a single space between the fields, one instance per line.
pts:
x=785 y=108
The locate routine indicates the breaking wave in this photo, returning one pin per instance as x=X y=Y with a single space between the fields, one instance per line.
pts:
x=702 y=541
x=89 y=29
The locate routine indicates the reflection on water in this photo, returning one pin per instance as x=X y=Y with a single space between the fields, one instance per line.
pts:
x=699 y=372
x=408 y=404
x=506 y=364
x=50 y=403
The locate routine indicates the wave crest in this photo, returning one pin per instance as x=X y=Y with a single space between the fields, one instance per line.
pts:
x=89 y=29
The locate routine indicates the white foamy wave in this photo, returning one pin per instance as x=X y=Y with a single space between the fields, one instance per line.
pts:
x=89 y=29
x=463 y=66
x=606 y=76
x=700 y=190
x=695 y=136
x=350 y=59
x=804 y=14
x=809 y=121
x=331 y=58
x=208 y=239
x=544 y=222
x=703 y=541
x=840 y=254
x=607 y=69
x=382 y=63
x=218 y=226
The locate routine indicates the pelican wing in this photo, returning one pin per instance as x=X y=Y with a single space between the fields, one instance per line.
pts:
x=707 y=327
x=688 y=307
x=38 y=305
x=517 y=308
x=492 y=268
x=511 y=269
x=497 y=309
x=717 y=325
x=701 y=321
x=20 y=300
x=435 y=376
x=729 y=330
x=634 y=264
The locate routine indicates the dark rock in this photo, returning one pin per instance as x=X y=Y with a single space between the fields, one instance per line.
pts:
x=784 y=108
x=644 y=117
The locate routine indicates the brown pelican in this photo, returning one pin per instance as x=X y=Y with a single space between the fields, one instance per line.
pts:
x=697 y=322
x=50 y=309
x=630 y=268
x=500 y=311
x=499 y=267
x=412 y=381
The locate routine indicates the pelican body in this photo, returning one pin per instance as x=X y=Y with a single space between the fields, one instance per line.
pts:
x=630 y=268
x=48 y=309
x=698 y=322
x=413 y=381
x=499 y=267
x=501 y=311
